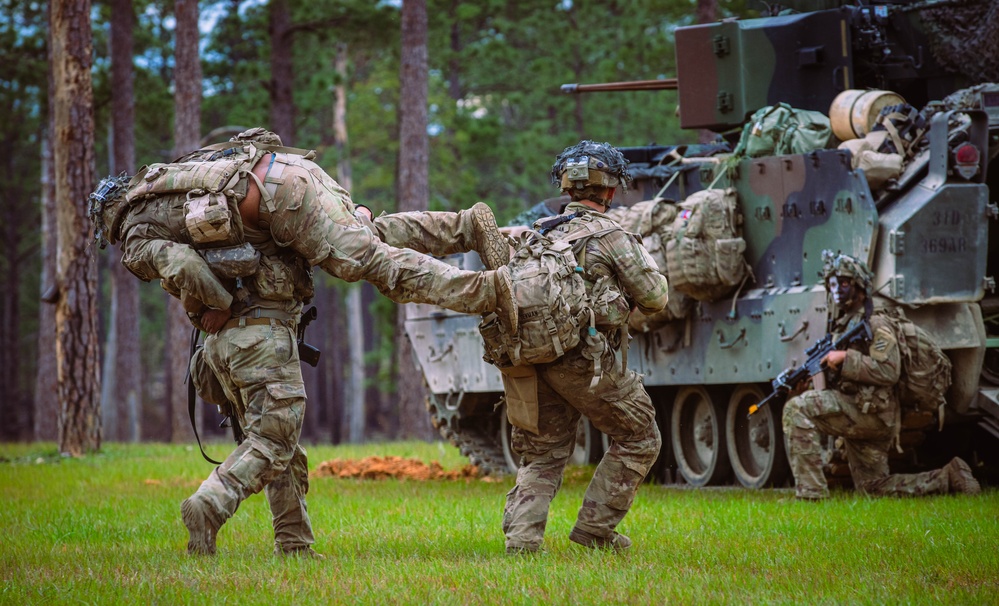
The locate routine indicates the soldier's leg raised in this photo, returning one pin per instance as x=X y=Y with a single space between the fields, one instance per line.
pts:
x=445 y=233
x=543 y=460
x=310 y=218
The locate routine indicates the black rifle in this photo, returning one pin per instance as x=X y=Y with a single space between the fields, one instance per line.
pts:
x=787 y=380
x=307 y=353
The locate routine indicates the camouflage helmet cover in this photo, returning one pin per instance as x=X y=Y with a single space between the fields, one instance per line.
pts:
x=258 y=135
x=107 y=208
x=590 y=163
x=836 y=264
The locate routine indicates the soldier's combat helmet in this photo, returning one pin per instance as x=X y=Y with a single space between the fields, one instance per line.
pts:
x=590 y=163
x=107 y=208
x=845 y=266
x=258 y=135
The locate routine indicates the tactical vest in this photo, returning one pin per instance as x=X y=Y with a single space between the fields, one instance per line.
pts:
x=195 y=200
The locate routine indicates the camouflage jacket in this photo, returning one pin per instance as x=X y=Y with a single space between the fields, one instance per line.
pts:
x=619 y=273
x=156 y=245
x=871 y=372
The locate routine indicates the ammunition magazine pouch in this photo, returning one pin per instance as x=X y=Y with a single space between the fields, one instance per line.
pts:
x=232 y=262
x=207 y=217
x=520 y=386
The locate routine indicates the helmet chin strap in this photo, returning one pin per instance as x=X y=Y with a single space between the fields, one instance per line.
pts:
x=608 y=200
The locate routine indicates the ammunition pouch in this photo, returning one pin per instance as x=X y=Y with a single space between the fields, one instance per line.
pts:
x=520 y=385
x=232 y=262
x=207 y=217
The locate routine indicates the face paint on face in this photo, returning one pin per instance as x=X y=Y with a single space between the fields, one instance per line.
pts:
x=842 y=290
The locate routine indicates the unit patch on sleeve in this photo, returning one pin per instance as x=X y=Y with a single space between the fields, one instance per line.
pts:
x=882 y=344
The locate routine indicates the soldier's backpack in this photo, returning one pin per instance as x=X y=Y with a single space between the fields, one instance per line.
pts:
x=926 y=369
x=781 y=129
x=551 y=298
x=704 y=254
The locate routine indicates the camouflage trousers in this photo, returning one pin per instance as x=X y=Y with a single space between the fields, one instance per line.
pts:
x=309 y=212
x=618 y=406
x=867 y=438
x=432 y=233
x=260 y=372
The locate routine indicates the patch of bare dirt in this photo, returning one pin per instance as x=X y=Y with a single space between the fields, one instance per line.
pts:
x=381 y=468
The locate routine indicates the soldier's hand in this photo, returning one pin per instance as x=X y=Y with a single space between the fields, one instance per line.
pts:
x=212 y=320
x=365 y=211
x=834 y=359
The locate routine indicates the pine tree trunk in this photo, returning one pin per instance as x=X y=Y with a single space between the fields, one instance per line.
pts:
x=282 y=73
x=187 y=137
x=414 y=194
x=15 y=408
x=46 y=411
x=77 y=356
x=353 y=392
x=124 y=368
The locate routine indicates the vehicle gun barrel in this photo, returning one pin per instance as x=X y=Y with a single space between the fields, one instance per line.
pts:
x=664 y=84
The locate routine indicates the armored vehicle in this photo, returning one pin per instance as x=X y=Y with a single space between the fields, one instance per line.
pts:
x=928 y=232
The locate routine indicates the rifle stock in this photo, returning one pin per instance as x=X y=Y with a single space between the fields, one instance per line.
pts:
x=307 y=353
x=790 y=377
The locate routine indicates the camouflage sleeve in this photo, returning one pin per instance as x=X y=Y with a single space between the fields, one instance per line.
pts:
x=179 y=266
x=882 y=364
x=636 y=271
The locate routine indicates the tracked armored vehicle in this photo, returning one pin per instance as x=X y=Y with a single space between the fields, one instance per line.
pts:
x=930 y=234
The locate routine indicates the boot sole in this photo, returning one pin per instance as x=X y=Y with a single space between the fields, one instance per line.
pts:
x=495 y=251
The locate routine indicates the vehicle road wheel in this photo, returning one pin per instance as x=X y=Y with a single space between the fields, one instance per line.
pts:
x=587 y=443
x=755 y=444
x=697 y=433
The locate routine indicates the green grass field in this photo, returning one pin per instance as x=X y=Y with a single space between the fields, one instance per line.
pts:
x=106 y=529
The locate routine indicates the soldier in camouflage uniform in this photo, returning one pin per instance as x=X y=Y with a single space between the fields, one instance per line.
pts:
x=295 y=216
x=620 y=274
x=861 y=405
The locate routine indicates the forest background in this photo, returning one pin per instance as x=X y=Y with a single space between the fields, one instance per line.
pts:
x=436 y=103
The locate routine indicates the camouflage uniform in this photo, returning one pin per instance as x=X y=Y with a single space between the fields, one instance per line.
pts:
x=306 y=219
x=862 y=407
x=618 y=405
x=445 y=233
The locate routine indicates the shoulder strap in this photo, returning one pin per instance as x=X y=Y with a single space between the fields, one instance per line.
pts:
x=192 y=399
x=237 y=431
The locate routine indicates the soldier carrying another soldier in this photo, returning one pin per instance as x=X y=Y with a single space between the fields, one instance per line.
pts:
x=233 y=231
x=861 y=404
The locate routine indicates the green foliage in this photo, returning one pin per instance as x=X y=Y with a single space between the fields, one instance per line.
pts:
x=107 y=529
x=497 y=118
x=501 y=114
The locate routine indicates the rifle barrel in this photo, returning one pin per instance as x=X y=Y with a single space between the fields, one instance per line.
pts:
x=664 y=84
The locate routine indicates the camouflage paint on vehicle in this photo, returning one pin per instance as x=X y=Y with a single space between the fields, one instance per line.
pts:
x=930 y=237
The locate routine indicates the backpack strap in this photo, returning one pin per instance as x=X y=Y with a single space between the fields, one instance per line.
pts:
x=546 y=225
x=192 y=398
x=308 y=154
x=596 y=343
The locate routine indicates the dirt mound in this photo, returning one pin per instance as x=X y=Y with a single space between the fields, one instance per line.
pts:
x=380 y=468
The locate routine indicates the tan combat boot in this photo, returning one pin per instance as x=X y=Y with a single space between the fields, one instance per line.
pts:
x=305 y=552
x=492 y=246
x=959 y=477
x=616 y=541
x=506 y=305
x=201 y=525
